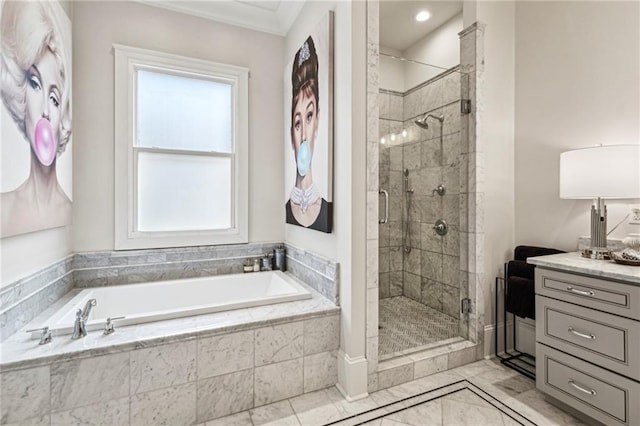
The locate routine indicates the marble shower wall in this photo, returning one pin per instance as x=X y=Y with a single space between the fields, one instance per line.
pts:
x=428 y=274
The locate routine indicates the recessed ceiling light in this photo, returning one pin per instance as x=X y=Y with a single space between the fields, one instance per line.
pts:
x=422 y=16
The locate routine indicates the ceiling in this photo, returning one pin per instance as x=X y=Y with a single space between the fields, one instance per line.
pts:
x=398 y=27
x=275 y=17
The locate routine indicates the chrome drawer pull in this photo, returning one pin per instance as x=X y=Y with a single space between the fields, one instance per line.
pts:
x=581 y=292
x=584 y=335
x=581 y=389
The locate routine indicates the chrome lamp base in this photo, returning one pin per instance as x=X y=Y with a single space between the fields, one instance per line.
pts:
x=598 y=249
x=601 y=253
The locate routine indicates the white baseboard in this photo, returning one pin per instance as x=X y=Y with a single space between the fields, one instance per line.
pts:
x=352 y=376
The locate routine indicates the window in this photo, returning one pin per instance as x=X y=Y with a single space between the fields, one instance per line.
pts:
x=181 y=151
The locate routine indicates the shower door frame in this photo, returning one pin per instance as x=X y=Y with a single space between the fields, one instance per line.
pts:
x=403 y=369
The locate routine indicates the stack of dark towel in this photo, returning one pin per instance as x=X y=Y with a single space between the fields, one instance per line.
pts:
x=520 y=278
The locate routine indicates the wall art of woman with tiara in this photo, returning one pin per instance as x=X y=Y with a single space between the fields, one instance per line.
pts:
x=306 y=207
x=35 y=74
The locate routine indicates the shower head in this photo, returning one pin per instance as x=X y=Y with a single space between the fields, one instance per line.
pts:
x=406 y=172
x=422 y=122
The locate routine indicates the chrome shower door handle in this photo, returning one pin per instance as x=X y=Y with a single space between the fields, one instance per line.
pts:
x=386 y=206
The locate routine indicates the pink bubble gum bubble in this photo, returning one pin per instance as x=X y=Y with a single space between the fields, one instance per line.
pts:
x=45 y=144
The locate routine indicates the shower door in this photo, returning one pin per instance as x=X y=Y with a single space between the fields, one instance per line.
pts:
x=421 y=292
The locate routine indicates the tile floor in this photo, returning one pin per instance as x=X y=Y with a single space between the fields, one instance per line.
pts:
x=484 y=393
x=406 y=324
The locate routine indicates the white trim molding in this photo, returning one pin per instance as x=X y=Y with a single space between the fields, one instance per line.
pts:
x=251 y=15
x=352 y=376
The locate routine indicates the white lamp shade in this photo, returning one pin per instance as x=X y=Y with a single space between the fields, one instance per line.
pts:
x=610 y=171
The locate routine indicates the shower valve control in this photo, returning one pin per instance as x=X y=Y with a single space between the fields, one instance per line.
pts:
x=440 y=190
x=109 y=327
x=441 y=227
x=45 y=335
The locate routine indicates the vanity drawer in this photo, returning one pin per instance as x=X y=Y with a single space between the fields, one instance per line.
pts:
x=601 y=394
x=607 y=340
x=609 y=296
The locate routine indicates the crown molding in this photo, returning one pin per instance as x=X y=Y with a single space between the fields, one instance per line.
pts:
x=233 y=12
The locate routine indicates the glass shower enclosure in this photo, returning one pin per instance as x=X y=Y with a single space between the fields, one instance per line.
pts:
x=422 y=290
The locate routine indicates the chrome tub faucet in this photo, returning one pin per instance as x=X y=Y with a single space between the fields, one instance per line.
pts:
x=80 y=326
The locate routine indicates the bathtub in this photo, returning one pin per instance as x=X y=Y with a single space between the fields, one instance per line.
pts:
x=157 y=301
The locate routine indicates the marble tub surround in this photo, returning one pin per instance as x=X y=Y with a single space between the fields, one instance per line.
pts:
x=318 y=272
x=20 y=351
x=215 y=365
x=22 y=300
x=25 y=298
x=135 y=266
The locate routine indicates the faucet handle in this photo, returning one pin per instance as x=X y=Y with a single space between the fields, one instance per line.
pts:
x=45 y=334
x=110 y=327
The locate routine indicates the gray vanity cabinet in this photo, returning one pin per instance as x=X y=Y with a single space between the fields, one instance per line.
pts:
x=588 y=344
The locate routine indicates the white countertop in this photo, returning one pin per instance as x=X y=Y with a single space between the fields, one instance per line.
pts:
x=574 y=262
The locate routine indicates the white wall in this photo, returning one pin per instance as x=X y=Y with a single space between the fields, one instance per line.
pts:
x=391 y=70
x=346 y=244
x=495 y=136
x=97 y=25
x=577 y=85
x=441 y=48
x=25 y=254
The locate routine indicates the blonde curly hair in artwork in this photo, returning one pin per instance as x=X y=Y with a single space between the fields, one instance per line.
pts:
x=27 y=30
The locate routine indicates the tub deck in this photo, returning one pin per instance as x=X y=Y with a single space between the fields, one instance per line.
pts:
x=20 y=351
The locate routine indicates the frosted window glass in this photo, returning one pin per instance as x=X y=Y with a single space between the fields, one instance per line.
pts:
x=183 y=192
x=183 y=113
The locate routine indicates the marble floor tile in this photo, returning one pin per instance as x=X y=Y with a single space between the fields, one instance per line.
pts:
x=503 y=383
x=241 y=419
x=277 y=414
x=315 y=408
x=446 y=399
x=533 y=405
x=429 y=413
x=463 y=414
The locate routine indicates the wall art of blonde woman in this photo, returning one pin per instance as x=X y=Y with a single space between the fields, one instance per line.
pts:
x=35 y=77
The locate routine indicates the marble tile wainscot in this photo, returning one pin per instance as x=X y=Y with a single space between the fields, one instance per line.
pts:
x=320 y=273
x=233 y=361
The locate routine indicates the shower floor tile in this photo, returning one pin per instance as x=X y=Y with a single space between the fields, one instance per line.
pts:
x=406 y=324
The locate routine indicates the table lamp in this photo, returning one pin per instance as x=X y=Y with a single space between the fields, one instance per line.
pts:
x=606 y=171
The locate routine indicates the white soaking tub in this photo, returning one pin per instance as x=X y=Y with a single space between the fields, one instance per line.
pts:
x=162 y=300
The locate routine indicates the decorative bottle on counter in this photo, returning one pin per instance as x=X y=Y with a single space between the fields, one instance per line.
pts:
x=280 y=258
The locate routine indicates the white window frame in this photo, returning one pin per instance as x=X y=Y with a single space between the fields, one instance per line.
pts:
x=127 y=61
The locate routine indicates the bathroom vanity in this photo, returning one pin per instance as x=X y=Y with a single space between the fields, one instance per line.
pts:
x=588 y=336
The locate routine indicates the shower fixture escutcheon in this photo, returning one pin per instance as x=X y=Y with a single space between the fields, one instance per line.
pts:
x=440 y=190
x=441 y=227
